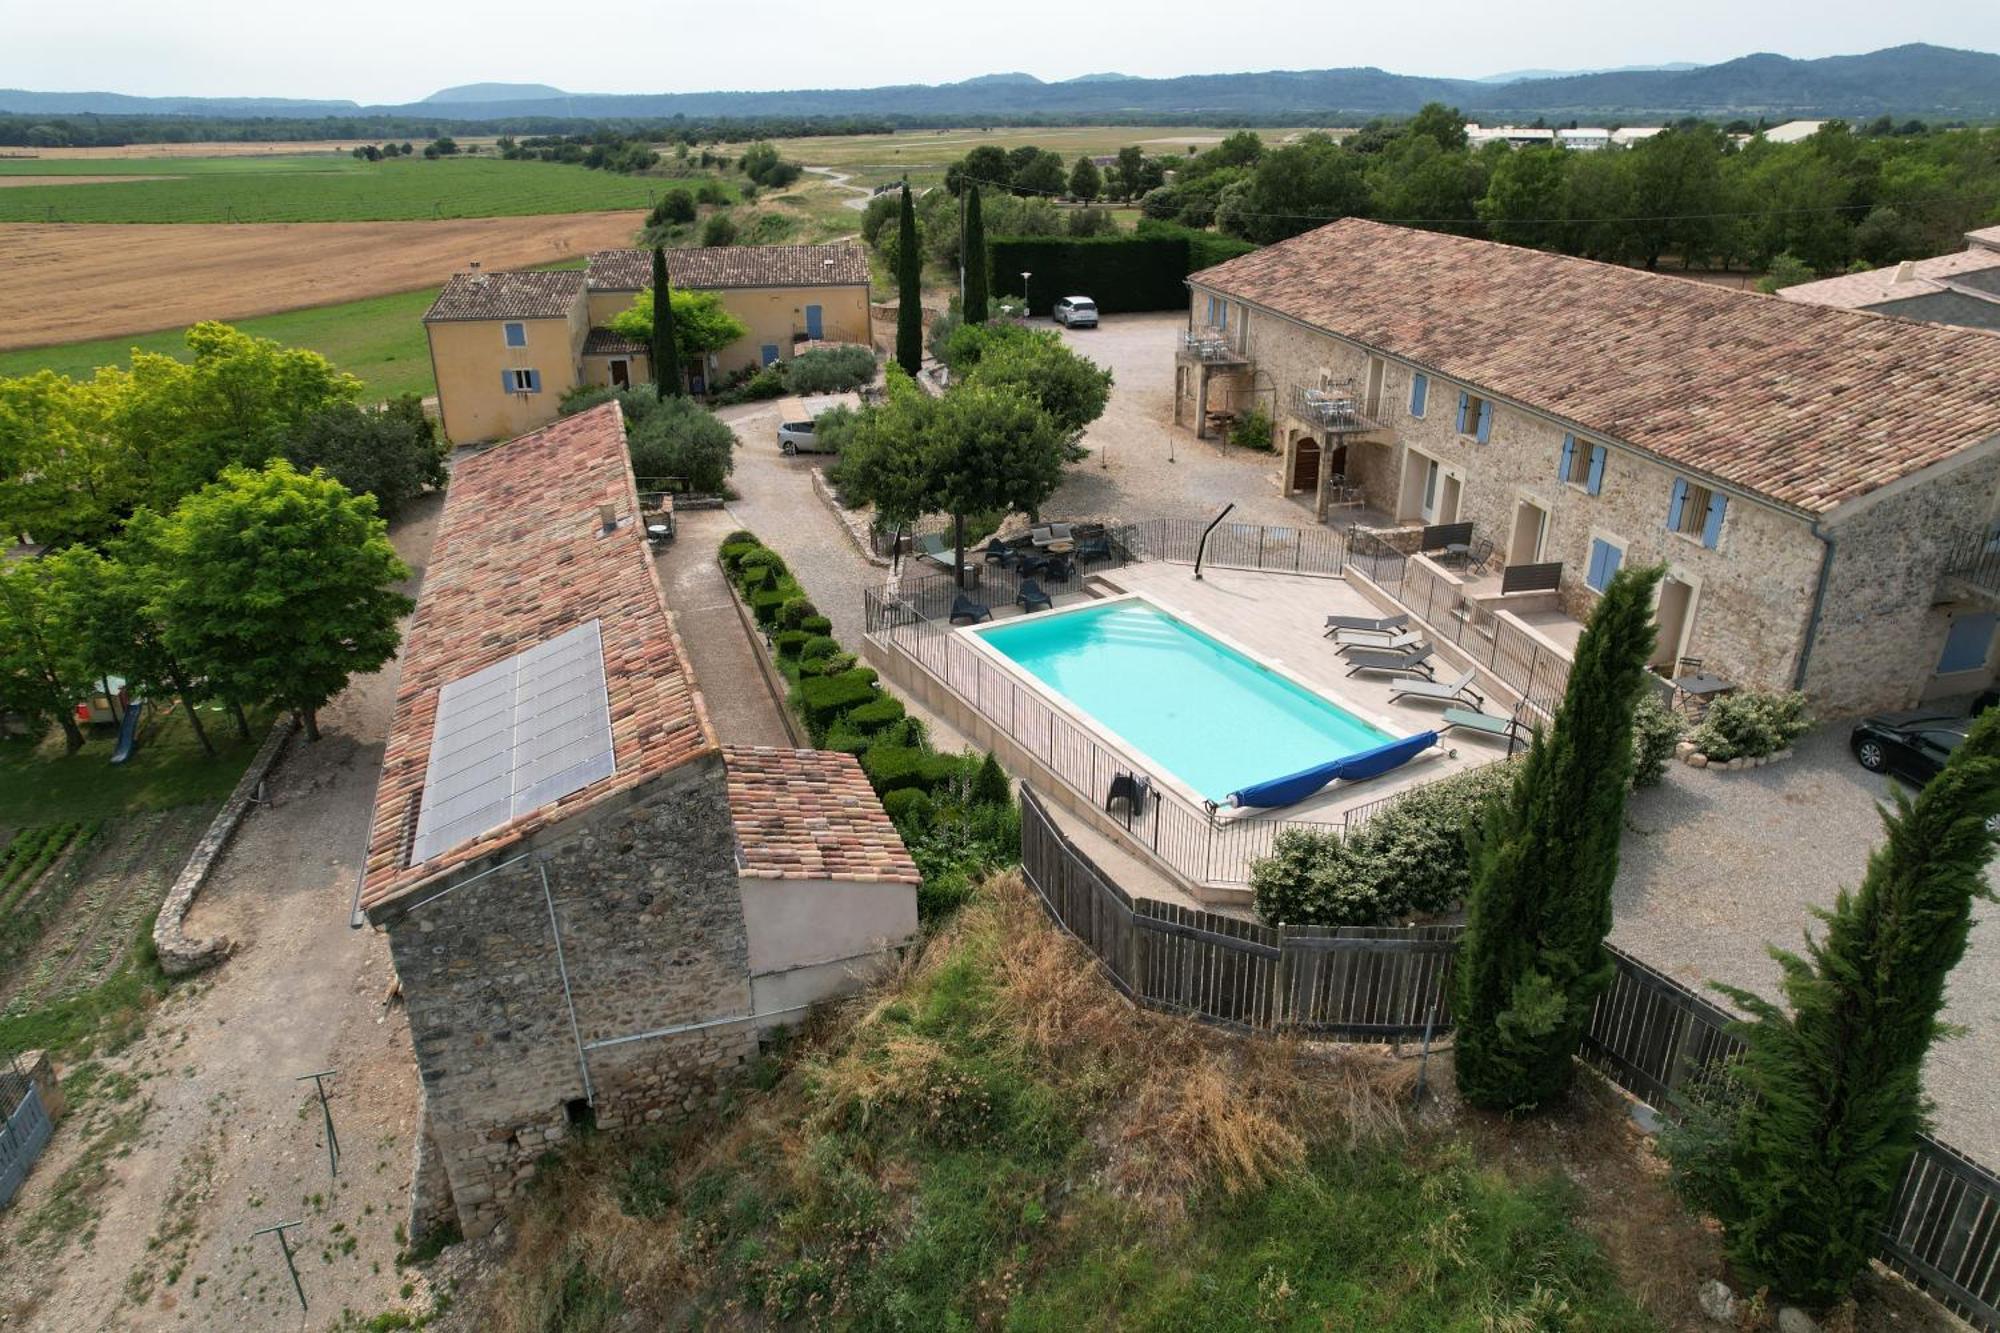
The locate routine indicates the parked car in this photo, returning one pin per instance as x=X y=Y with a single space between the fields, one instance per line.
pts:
x=1077 y=312
x=798 y=437
x=1913 y=747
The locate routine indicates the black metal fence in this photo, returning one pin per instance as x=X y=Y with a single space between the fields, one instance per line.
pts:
x=1649 y=1034
x=1281 y=550
x=1534 y=671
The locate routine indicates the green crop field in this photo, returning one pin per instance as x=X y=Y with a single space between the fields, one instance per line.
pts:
x=280 y=164
x=324 y=189
x=381 y=340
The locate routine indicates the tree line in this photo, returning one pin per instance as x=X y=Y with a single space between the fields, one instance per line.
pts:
x=1694 y=194
x=208 y=529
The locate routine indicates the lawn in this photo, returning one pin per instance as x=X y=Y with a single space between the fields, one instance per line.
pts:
x=330 y=189
x=380 y=339
x=40 y=781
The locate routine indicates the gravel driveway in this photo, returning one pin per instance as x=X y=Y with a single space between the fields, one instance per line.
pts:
x=1717 y=865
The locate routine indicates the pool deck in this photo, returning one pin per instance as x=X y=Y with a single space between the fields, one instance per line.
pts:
x=1278 y=619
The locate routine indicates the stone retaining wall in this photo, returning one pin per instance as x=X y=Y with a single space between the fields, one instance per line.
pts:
x=180 y=955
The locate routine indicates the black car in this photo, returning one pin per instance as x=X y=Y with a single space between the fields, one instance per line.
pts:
x=1913 y=747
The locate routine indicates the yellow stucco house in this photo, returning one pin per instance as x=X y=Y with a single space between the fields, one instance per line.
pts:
x=505 y=347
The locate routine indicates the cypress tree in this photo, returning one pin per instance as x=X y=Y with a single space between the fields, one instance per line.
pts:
x=909 y=290
x=1835 y=1086
x=975 y=259
x=1532 y=961
x=666 y=357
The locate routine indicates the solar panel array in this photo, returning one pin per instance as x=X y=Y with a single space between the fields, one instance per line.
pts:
x=514 y=737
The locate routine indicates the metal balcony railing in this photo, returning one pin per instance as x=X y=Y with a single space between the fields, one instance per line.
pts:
x=1210 y=344
x=1336 y=408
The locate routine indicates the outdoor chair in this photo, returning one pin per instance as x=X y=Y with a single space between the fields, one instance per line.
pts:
x=1131 y=788
x=1501 y=728
x=1031 y=596
x=1475 y=563
x=1094 y=547
x=1447 y=691
x=1392 y=664
x=1393 y=643
x=1379 y=624
x=965 y=609
x=999 y=553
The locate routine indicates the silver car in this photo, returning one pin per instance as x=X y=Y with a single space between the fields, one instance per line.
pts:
x=1077 y=312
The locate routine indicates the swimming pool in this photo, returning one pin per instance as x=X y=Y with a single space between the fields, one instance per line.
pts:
x=1211 y=717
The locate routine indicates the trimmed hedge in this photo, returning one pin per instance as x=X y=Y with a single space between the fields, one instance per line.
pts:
x=1206 y=249
x=793 y=613
x=755 y=580
x=896 y=767
x=818 y=647
x=824 y=698
x=816 y=625
x=732 y=553
x=909 y=806
x=871 y=717
x=764 y=605
x=764 y=558
x=1122 y=273
x=789 y=641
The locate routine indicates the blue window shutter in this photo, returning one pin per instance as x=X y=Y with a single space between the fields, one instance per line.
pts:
x=1485 y=431
x=1596 y=482
x=1569 y=453
x=1613 y=557
x=506 y=381
x=534 y=381
x=1711 y=532
x=1674 y=505
x=1420 y=390
x=1595 y=575
x=1464 y=405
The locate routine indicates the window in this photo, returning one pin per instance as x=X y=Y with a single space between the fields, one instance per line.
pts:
x=521 y=381
x=1696 y=512
x=1420 y=391
x=1475 y=416
x=1604 y=561
x=517 y=334
x=1582 y=464
x=1967 y=643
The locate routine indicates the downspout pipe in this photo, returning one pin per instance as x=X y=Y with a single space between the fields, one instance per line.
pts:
x=1818 y=603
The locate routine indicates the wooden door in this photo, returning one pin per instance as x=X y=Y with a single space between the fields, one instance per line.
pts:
x=621 y=374
x=1305 y=465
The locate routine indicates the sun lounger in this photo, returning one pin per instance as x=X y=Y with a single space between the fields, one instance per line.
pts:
x=1394 y=642
x=1501 y=728
x=1448 y=691
x=1378 y=624
x=963 y=608
x=1394 y=664
x=1032 y=596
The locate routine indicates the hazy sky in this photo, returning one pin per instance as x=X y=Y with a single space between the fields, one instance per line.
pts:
x=401 y=50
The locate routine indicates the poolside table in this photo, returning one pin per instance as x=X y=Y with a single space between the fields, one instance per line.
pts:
x=1700 y=689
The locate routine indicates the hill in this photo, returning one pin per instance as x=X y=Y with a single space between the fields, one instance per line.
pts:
x=1918 y=80
x=494 y=92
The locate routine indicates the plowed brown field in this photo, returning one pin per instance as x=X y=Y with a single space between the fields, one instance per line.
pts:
x=64 y=283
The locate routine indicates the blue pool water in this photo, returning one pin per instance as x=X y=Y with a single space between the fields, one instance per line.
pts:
x=1215 y=719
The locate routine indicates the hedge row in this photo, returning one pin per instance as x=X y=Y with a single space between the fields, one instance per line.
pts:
x=1122 y=273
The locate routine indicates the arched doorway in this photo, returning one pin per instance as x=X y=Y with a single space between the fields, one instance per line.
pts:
x=1305 y=464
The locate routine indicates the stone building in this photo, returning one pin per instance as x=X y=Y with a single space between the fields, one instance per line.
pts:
x=1959 y=288
x=1821 y=484
x=593 y=904
x=505 y=347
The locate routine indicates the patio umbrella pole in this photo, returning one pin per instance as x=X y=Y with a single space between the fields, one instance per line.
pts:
x=1202 y=550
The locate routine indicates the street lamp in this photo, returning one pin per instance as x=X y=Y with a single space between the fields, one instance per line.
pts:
x=1026 y=308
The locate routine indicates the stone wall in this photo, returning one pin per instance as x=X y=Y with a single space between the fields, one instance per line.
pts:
x=180 y=955
x=653 y=943
x=1751 y=593
x=1883 y=623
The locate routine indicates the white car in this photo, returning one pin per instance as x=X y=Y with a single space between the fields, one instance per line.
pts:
x=1077 y=312
x=798 y=437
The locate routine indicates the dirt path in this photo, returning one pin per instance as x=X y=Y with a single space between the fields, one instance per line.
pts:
x=858 y=196
x=70 y=282
x=230 y=1142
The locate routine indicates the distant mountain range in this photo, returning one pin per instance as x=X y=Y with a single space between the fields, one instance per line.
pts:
x=1918 y=80
x=1517 y=75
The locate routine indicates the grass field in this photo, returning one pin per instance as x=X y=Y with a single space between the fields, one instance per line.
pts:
x=322 y=189
x=40 y=780
x=877 y=159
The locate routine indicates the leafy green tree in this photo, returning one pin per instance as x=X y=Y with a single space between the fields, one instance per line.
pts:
x=720 y=229
x=1302 y=186
x=45 y=666
x=1038 y=365
x=976 y=262
x=1677 y=194
x=1524 y=196
x=909 y=290
x=1042 y=174
x=1086 y=182
x=675 y=207
x=991 y=449
x=65 y=471
x=701 y=323
x=107 y=605
x=1787 y=270
x=875 y=219
x=1597 y=206
x=1533 y=962
x=278 y=586
x=985 y=167
x=1836 y=1084
x=1441 y=124
x=1416 y=181
x=1129 y=173
x=884 y=461
x=391 y=452
x=680 y=438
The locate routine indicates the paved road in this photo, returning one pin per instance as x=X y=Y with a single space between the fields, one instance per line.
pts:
x=1714 y=866
x=740 y=704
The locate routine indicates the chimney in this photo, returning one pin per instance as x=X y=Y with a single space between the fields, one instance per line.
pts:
x=1906 y=271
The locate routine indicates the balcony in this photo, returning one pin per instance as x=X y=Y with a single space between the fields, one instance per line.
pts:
x=1210 y=347
x=1335 y=408
x=1971 y=570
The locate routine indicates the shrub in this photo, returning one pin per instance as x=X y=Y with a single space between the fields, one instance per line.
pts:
x=731 y=554
x=741 y=535
x=755 y=578
x=871 y=717
x=1121 y=272
x=719 y=230
x=793 y=613
x=830 y=370
x=680 y=438
x=675 y=206
x=844 y=739
x=1411 y=859
x=989 y=784
x=816 y=625
x=788 y=642
x=764 y=605
x=1252 y=431
x=910 y=808
x=1656 y=730
x=838 y=664
x=894 y=767
x=824 y=698
x=818 y=647
x=764 y=558
x=584 y=397
x=760 y=386
x=1750 y=724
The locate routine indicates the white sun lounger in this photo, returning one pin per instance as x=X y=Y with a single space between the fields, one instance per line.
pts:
x=1448 y=691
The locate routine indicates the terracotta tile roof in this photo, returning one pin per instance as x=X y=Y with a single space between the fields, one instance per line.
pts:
x=601 y=341
x=1805 y=405
x=507 y=296
x=1987 y=238
x=520 y=557
x=710 y=267
x=810 y=814
x=1922 y=277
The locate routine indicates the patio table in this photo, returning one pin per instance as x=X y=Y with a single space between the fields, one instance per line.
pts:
x=1457 y=553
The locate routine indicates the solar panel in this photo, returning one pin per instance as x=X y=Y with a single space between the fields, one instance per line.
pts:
x=514 y=737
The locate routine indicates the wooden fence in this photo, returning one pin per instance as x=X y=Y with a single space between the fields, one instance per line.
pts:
x=1649 y=1034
